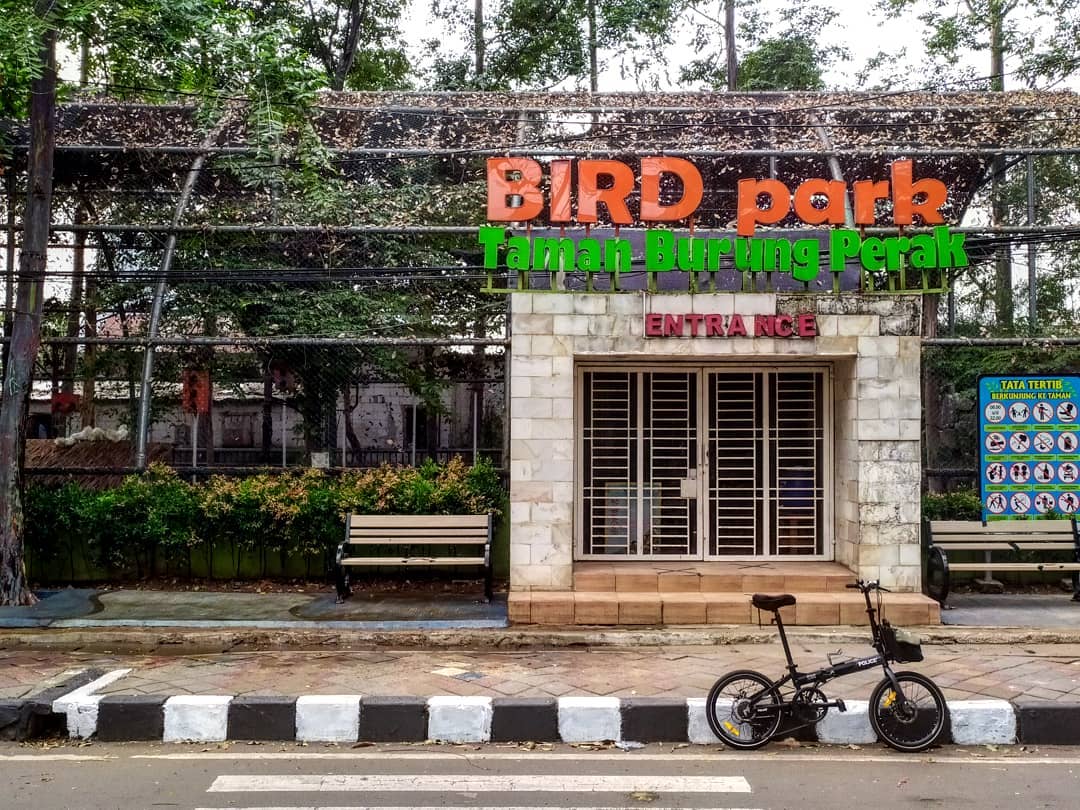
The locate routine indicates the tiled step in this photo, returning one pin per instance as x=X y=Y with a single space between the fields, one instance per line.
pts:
x=673 y=608
x=711 y=577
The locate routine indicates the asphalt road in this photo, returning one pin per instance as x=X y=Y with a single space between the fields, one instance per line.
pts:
x=656 y=777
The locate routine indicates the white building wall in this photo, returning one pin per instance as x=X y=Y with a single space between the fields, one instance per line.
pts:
x=871 y=343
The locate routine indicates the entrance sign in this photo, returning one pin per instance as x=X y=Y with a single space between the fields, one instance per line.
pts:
x=1029 y=455
x=692 y=324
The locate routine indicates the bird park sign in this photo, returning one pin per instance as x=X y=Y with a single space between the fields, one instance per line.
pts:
x=516 y=194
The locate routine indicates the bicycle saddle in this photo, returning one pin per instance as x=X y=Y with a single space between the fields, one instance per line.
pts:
x=765 y=601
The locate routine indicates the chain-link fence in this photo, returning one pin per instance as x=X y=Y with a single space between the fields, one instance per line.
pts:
x=952 y=443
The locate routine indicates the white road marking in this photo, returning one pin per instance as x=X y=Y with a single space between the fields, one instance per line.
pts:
x=476 y=783
x=472 y=807
x=950 y=758
x=81 y=705
x=957 y=758
x=57 y=758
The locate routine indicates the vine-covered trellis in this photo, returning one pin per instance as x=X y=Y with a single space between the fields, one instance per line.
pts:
x=309 y=266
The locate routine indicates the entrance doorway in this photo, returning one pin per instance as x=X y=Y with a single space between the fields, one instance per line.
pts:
x=713 y=463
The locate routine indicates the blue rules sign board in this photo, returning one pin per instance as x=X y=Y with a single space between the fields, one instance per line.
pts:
x=1028 y=433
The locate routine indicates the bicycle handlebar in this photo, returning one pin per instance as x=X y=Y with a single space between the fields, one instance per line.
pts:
x=866 y=586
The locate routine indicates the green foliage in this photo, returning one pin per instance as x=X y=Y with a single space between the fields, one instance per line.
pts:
x=1038 y=36
x=787 y=63
x=955 y=371
x=778 y=48
x=155 y=523
x=146 y=520
x=963 y=504
x=54 y=519
x=538 y=44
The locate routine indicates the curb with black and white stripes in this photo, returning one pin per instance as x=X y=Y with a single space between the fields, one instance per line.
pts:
x=363 y=718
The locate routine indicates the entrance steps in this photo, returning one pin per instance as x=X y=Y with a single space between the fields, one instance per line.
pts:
x=675 y=593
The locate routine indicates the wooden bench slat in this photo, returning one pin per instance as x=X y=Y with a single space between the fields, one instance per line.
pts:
x=1013 y=566
x=1024 y=545
x=1001 y=527
x=442 y=531
x=1002 y=538
x=413 y=561
x=424 y=540
x=419 y=521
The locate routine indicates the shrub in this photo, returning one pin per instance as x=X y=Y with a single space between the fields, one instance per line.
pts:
x=963 y=504
x=147 y=520
x=157 y=520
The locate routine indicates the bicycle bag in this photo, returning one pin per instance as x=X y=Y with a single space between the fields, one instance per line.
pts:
x=901 y=645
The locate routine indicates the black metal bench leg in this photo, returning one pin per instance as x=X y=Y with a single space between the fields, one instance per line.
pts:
x=1076 y=586
x=341 y=583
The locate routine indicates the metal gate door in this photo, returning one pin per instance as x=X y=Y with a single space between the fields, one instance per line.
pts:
x=702 y=463
x=766 y=463
x=639 y=464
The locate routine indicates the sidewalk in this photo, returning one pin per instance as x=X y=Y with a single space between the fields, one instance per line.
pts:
x=285 y=666
x=413 y=695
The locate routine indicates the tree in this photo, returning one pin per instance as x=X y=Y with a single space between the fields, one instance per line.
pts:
x=540 y=44
x=29 y=304
x=356 y=42
x=1035 y=40
x=784 y=48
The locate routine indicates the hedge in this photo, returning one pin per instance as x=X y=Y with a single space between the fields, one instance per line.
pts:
x=261 y=525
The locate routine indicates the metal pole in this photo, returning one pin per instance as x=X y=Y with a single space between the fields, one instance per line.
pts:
x=470 y=231
x=284 y=443
x=195 y=440
x=476 y=424
x=260 y=343
x=507 y=358
x=145 y=392
x=391 y=153
x=412 y=454
x=1032 y=292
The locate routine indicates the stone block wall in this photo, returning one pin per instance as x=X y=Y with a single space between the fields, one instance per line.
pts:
x=870 y=342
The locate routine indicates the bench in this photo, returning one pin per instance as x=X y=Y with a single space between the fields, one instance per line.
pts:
x=1039 y=539
x=403 y=532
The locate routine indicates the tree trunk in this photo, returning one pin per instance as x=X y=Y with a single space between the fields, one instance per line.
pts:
x=1004 y=305
x=357 y=13
x=26 y=326
x=9 y=277
x=729 y=46
x=478 y=36
x=594 y=71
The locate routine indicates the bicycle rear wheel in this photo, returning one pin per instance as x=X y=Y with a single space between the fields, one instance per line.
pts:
x=913 y=719
x=732 y=716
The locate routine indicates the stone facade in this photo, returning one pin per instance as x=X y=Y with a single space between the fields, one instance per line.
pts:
x=871 y=344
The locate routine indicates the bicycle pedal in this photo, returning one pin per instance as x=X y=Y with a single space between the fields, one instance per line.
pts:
x=841 y=705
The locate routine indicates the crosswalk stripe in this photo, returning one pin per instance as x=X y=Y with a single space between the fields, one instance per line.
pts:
x=452 y=783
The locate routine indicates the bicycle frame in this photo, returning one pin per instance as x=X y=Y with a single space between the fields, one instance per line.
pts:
x=821 y=676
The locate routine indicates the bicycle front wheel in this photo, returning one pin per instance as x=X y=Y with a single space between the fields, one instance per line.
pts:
x=743 y=709
x=911 y=719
